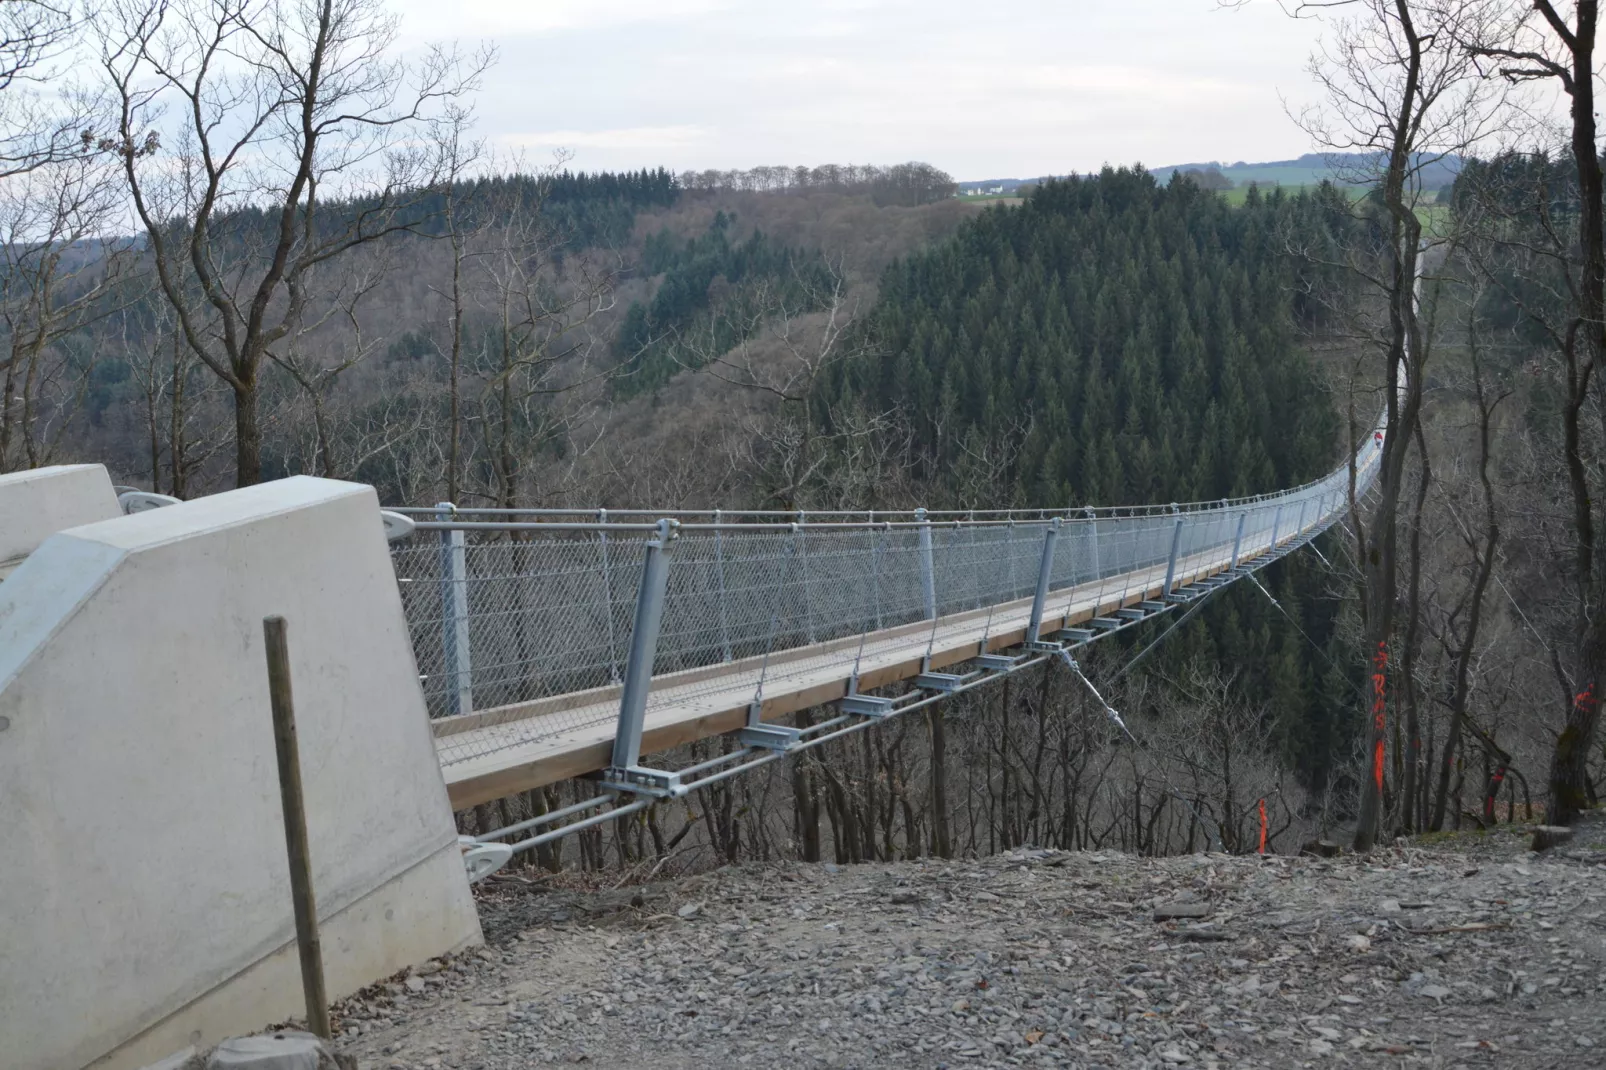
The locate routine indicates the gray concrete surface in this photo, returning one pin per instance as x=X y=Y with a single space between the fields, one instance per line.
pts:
x=146 y=888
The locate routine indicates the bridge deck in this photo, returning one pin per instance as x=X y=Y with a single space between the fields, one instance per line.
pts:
x=532 y=744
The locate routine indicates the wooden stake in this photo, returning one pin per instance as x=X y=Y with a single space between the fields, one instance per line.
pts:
x=295 y=826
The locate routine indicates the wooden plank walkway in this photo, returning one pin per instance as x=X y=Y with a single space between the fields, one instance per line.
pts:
x=531 y=744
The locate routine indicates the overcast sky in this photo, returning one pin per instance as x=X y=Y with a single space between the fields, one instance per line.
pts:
x=980 y=89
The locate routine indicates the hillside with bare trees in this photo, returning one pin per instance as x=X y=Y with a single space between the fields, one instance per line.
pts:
x=305 y=261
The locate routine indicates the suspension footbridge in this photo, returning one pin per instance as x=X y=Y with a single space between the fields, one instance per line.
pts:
x=470 y=656
x=554 y=644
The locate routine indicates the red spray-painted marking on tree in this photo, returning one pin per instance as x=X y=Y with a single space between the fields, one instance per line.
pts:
x=1380 y=665
x=1494 y=792
x=1263 y=826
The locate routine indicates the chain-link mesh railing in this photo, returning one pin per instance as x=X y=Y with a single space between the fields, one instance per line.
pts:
x=522 y=621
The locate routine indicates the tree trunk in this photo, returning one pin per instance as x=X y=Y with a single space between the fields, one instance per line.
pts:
x=941 y=843
x=1569 y=776
x=177 y=474
x=247 y=433
x=806 y=800
x=1405 y=354
x=1411 y=788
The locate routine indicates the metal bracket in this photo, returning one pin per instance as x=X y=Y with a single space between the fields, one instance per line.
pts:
x=639 y=780
x=1043 y=646
x=998 y=662
x=139 y=501
x=483 y=859
x=1109 y=624
x=869 y=706
x=775 y=737
x=1077 y=635
x=945 y=682
x=1131 y=614
x=397 y=526
x=1152 y=607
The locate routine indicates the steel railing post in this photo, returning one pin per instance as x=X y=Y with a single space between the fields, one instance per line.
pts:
x=454 y=615
x=1238 y=539
x=875 y=576
x=719 y=564
x=803 y=562
x=607 y=597
x=643 y=647
x=928 y=575
x=1045 y=572
x=1009 y=559
x=1093 y=529
x=1171 y=564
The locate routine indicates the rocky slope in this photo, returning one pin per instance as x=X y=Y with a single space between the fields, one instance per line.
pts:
x=1469 y=952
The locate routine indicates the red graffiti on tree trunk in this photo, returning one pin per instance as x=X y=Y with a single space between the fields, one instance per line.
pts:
x=1263 y=826
x=1495 y=780
x=1380 y=665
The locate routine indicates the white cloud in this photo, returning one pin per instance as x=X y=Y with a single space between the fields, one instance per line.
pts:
x=635 y=137
x=1023 y=88
x=433 y=19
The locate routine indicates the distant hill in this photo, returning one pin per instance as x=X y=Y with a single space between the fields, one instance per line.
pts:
x=1310 y=169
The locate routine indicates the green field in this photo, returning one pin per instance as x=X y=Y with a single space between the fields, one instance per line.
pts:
x=1432 y=216
x=994 y=198
x=1237 y=194
x=1274 y=175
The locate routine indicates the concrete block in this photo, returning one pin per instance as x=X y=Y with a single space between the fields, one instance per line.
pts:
x=289 y=1050
x=144 y=876
x=39 y=502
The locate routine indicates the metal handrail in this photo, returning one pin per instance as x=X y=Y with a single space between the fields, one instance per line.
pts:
x=554 y=520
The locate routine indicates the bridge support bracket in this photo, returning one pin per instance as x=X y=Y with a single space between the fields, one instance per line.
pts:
x=945 y=682
x=639 y=780
x=871 y=706
x=1043 y=646
x=998 y=662
x=776 y=737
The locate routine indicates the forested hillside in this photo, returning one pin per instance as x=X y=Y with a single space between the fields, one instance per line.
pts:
x=1112 y=341
x=436 y=321
x=1117 y=340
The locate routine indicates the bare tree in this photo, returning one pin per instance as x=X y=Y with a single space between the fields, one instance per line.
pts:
x=336 y=306
x=785 y=346
x=44 y=116
x=262 y=139
x=534 y=341
x=182 y=415
x=458 y=154
x=58 y=273
x=1549 y=45
x=1401 y=93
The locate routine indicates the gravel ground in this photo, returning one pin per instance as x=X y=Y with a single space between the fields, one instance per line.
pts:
x=1469 y=952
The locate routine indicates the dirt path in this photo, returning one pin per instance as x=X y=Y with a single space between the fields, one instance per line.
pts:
x=1472 y=952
